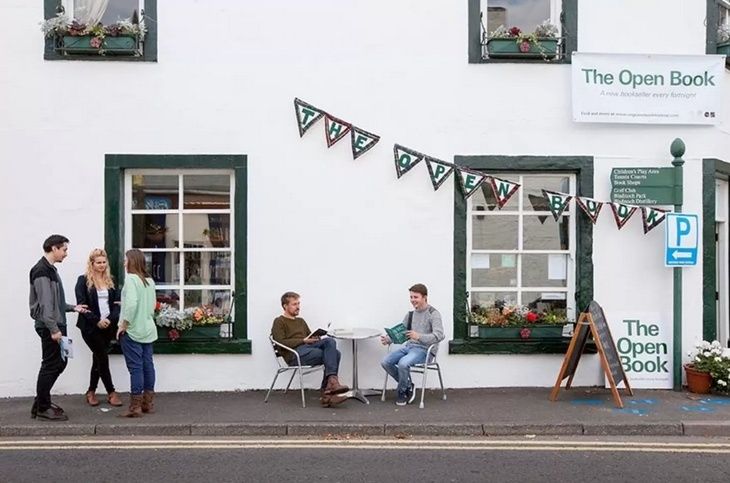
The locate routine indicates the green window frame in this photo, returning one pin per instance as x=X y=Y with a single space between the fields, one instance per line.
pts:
x=569 y=33
x=149 y=53
x=712 y=21
x=582 y=168
x=114 y=219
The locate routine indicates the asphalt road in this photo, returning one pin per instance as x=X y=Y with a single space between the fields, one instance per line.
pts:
x=475 y=459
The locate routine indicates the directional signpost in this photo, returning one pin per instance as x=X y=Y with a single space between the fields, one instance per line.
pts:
x=643 y=186
x=680 y=242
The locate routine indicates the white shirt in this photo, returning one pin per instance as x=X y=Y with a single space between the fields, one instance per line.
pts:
x=103 y=296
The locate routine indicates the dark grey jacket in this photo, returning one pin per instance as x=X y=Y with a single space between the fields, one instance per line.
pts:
x=48 y=305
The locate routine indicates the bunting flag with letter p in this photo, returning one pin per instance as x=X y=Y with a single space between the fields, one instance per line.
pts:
x=557 y=202
x=405 y=159
x=438 y=171
x=652 y=217
x=622 y=213
x=361 y=141
x=334 y=129
x=470 y=181
x=503 y=190
x=590 y=207
x=307 y=115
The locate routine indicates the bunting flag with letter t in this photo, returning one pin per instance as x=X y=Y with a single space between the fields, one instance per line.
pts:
x=470 y=181
x=405 y=159
x=361 y=141
x=557 y=202
x=590 y=207
x=334 y=129
x=622 y=213
x=307 y=115
x=652 y=217
x=438 y=171
x=503 y=190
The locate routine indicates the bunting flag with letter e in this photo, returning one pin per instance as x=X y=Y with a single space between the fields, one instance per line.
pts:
x=590 y=207
x=361 y=141
x=503 y=190
x=438 y=171
x=622 y=213
x=405 y=159
x=334 y=129
x=557 y=202
x=652 y=217
x=307 y=115
x=470 y=181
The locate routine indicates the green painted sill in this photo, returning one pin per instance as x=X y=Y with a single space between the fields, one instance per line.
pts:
x=232 y=346
x=548 y=345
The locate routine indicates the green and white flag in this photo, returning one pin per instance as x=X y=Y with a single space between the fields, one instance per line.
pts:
x=503 y=190
x=361 y=141
x=470 y=181
x=307 y=115
x=622 y=213
x=557 y=202
x=438 y=171
x=334 y=129
x=405 y=159
x=652 y=217
x=590 y=207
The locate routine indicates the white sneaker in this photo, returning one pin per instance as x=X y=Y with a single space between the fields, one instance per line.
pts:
x=412 y=393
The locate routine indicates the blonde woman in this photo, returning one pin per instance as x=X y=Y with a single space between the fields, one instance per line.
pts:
x=137 y=332
x=98 y=326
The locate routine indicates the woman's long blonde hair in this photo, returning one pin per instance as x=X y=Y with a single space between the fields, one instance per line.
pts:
x=106 y=276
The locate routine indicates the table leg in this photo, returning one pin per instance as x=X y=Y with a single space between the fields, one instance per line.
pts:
x=355 y=391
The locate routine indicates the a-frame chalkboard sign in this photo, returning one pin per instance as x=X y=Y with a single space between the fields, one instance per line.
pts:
x=593 y=322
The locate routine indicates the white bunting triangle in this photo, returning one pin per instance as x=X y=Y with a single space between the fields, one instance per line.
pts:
x=470 y=181
x=307 y=115
x=591 y=207
x=438 y=171
x=557 y=202
x=652 y=217
x=361 y=141
x=503 y=190
x=622 y=213
x=334 y=129
x=405 y=159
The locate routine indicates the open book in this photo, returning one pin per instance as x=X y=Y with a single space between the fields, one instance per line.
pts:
x=320 y=332
x=397 y=333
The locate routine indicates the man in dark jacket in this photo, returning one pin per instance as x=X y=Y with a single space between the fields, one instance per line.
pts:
x=48 y=309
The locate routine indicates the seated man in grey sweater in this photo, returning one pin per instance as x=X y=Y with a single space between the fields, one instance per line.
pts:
x=424 y=327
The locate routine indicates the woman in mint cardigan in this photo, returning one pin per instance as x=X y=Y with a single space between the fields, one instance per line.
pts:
x=137 y=332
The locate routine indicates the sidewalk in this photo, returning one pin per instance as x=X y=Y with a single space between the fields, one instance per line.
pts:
x=466 y=412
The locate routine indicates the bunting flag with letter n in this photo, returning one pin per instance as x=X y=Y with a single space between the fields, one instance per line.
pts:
x=470 y=181
x=652 y=217
x=622 y=213
x=557 y=202
x=334 y=129
x=503 y=190
x=307 y=115
x=405 y=159
x=438 y=171
x=590 y=207
x=361 y=141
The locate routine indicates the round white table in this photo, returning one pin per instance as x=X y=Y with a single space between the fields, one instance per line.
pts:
x=356 y=334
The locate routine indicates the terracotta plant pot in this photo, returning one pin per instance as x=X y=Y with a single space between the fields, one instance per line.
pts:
x=697 y=381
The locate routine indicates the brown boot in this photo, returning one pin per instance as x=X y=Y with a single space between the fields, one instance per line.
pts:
x=135 y=407
x=91 y=398
x=334 y=386
x=113 y=399
x=336 y=399
x=148 y=402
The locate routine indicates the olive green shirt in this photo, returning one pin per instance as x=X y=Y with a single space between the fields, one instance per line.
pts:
x=290 y=332
x=138 y=309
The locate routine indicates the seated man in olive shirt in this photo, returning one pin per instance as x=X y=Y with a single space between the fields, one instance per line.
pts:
x=292 y=331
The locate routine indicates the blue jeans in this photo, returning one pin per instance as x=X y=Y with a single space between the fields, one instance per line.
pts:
x=141 y=368
x=324 y=351
x=399 y=361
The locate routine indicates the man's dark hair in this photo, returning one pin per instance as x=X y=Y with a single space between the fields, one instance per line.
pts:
x=419 y=288
x=54 y=241
x=288 y=296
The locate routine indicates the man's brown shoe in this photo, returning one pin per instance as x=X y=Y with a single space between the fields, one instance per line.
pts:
x=335 y=399
x=334 y=386
x=91 y=398
x=113 y=399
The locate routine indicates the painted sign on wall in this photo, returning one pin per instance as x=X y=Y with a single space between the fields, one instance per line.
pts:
x=647 y=89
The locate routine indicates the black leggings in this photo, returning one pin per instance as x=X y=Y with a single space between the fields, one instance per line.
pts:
x=98 y=342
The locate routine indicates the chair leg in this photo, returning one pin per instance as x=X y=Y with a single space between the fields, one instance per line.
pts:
x=301 y=387
x=272 y=386
x=293 y=373
x=385 y=386
x=423 y=390
x=441 y=381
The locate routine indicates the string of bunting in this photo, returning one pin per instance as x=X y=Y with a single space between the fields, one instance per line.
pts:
x=469 y=181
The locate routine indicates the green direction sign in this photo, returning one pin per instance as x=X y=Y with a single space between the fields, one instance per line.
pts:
x=643 y=186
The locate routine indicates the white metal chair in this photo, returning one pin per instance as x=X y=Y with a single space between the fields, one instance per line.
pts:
x=429 y=365
x=284 y=367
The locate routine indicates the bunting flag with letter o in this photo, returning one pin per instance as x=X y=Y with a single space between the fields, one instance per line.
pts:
x=590 y=207
x=557 y=202
x=503 y=190
x=334 y=129
x=438 y=171
x=622 y=213
x=307 y=115
x=361 y=141
x=405 y=159
x=470 y=181
x=652 y=217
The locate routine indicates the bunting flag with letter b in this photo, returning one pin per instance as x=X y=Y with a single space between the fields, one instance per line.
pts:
x=334 y=129
x=470 y=181
x=590 y=207
x=503 y=190
x=652 y=217
x=557 y=202
x=405 y=159
x=307 y=115
x=361 y=141
x=622 y=213
x=438 y=171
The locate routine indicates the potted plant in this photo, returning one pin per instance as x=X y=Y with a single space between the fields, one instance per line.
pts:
x=513 y=43
x=503 y=321
x=155 y=233
x=215 y=236
x=710 y=367
x=74 y=37
x=202 y=322
x=723 y=39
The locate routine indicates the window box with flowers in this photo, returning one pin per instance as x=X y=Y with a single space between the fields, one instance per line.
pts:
x=513 y=43
x=503 y=321
x=193 y=323
x=723 y=40
x=72 y=37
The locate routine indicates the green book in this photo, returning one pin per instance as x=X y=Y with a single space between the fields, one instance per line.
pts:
x=397 y=333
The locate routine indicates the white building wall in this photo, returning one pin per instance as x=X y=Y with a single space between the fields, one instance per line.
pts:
x=347 y=235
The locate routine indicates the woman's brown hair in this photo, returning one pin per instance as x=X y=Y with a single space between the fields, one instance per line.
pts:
x=137 y=265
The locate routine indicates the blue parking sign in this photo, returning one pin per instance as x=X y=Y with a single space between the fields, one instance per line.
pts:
x=682 y=233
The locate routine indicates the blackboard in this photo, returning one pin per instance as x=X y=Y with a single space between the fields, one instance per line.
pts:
x=580 y=335
x=606 y=340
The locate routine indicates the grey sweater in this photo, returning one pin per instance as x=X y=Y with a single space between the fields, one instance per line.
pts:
x=47 y=302
x=426 y=322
